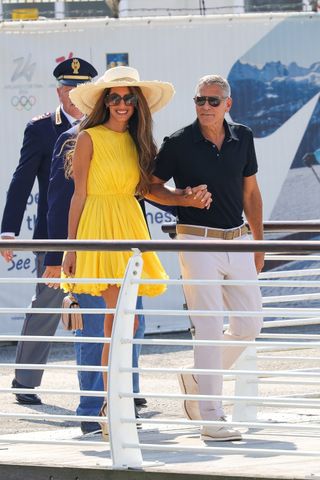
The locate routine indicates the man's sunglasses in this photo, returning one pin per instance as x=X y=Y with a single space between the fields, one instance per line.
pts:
x=213 y=101
x=113 y=99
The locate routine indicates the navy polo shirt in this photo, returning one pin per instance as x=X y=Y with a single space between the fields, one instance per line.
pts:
x=191 y=160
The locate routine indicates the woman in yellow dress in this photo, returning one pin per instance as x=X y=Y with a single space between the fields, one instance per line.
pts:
x=112 y=163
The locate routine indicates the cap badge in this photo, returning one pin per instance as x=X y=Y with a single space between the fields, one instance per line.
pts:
x=75 y=65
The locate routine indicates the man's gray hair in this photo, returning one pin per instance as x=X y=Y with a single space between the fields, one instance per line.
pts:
x=214 y=80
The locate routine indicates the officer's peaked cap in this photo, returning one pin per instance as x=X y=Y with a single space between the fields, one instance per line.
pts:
x=74 y=71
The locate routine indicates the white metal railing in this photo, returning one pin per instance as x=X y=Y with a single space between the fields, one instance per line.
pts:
x=125 y=447
x=243 y=387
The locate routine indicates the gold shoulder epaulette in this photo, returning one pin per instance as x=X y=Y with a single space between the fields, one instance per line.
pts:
x=40 y=117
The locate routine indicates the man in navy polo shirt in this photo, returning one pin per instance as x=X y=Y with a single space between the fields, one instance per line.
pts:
x=221 y=155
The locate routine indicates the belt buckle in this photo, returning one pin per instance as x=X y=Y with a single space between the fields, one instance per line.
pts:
x=232 y=234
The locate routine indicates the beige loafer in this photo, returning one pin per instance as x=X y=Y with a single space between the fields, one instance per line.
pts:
x=213 y=433
x=189 y=386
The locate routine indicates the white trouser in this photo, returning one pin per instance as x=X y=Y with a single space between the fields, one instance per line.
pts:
x=219 y=266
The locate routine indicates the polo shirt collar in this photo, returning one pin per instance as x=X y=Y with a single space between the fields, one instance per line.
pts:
x=230 y=132
x=198 y=137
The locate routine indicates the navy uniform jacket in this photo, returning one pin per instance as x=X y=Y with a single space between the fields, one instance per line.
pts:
x=60 y=192
x=39 y=138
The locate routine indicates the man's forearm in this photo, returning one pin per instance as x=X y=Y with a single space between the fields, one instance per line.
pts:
x=164 y=195
x=253 y=213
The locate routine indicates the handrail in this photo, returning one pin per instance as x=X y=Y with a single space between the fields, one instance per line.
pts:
x=269 y=226
x=305 y=246
x=177 y=281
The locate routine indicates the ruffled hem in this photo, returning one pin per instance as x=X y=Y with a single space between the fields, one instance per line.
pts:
x=107 y=265
x=148 y=290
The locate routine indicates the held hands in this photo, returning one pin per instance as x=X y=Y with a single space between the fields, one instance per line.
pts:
x=197 y=197
x=52 y=272
x=69 y=264
x=7 y=254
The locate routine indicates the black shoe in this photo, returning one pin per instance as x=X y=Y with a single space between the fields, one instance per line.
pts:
x=139 y=425
x=90 y=427
x=95 y=427
x=140 y=402
x=25 y=398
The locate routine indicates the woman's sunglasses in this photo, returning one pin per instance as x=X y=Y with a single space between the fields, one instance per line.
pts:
x=113 y=99
x=213 y=101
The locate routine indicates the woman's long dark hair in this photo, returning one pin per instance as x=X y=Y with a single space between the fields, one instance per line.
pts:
x=140 y=128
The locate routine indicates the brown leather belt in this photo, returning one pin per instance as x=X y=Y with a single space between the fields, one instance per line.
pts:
x=212 y=232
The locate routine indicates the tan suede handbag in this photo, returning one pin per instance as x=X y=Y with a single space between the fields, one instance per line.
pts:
x=71 y=320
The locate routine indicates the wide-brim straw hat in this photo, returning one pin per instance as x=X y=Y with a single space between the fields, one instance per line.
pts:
x=157 y=93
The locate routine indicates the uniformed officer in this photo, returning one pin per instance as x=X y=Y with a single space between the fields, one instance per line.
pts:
x=40 y=136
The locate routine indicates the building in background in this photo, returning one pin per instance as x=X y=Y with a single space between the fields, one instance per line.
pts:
x=275 y=6
x=25 y=9
x=134 y=8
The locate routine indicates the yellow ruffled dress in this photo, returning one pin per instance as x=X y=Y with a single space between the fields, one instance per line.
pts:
x=111 y=212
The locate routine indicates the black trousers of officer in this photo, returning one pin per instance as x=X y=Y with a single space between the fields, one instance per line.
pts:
x=38 y=324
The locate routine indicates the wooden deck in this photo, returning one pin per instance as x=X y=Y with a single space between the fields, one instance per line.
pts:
x=60 y=462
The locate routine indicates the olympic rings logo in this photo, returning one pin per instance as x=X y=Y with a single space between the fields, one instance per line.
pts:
x=23 y=102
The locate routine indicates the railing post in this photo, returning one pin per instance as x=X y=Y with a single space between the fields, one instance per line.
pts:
x=244 y=412
x=120 y=357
